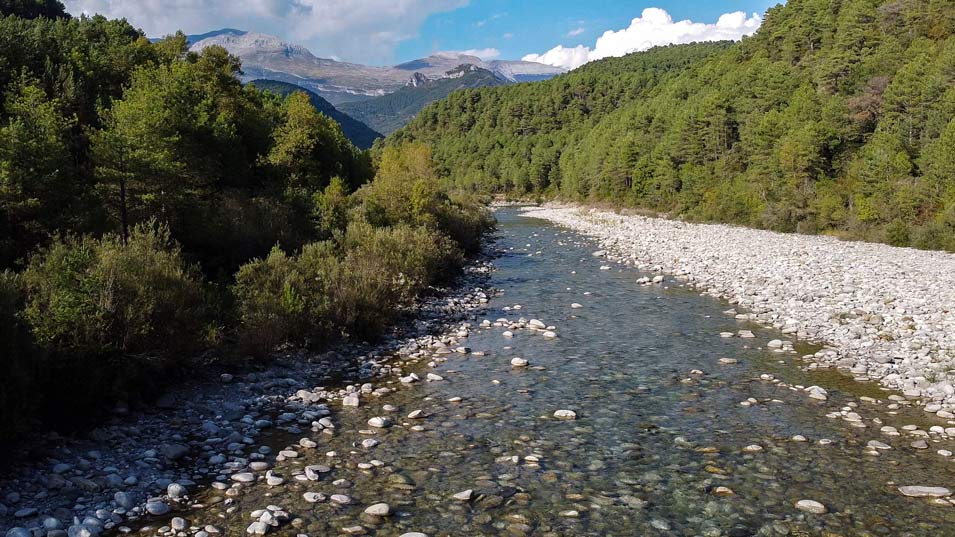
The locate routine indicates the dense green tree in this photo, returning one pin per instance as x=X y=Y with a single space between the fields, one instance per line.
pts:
x=37 y=189
x=31 y=9
x=309 y=149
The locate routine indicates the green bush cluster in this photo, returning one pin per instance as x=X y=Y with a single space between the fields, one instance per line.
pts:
x=101 y=296
x=87 y=321
x=355 y=285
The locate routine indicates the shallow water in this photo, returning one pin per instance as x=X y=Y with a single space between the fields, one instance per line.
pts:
x=650 y=445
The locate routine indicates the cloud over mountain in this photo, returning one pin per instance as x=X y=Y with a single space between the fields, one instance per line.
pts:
x=365 y=30
x=652 y=28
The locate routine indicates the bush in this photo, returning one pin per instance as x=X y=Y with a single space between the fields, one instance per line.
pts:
x=273 y=301
x=466 y=220
x=414 y=257
x=99 y=296
x=406 y=191
x=356 y=287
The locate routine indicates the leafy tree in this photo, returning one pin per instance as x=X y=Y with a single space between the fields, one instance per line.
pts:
x=31 y=9
x=309 y=148
x=37 y=187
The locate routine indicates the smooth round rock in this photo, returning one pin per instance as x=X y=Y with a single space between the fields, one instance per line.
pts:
x=243 y=477
x=918 y=491
x=157 y=508
x=379 y=509
x=811 y=506
x=380 y=422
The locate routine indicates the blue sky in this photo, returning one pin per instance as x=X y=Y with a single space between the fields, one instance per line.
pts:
x=381 y=32
x=520 y=28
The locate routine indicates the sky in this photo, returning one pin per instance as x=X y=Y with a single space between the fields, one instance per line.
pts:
x=566 y=33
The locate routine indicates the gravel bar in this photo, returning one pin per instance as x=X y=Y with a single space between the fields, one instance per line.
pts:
x=884 y=313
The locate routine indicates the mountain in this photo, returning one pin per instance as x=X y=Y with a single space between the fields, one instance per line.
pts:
x=192 y=39
x=359 y=133
x=390 y=112
x=835 y=117
x=437 y=64
x=195 y=38
x=268 y=57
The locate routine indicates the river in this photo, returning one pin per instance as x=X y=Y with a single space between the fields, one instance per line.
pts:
x=661 y=444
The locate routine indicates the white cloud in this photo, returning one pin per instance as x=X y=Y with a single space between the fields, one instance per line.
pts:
x=576 y=31
x=359 y=30
x=654 y=27
x=485 y=54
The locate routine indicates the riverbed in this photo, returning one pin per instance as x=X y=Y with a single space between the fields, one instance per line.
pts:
x=628 y=413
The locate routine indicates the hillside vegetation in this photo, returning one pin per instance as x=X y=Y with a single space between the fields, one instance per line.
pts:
x=392 y=111
x=156 y=213
x=357 y=132
x=836 y=117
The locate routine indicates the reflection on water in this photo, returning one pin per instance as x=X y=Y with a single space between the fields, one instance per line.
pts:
x=657 y=449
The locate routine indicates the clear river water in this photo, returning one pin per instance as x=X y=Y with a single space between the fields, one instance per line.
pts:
x=659 y=444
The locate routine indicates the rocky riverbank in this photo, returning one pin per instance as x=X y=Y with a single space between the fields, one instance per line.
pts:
x=883 y=313
x=149 y=463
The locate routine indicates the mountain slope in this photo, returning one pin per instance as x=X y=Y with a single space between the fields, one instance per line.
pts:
x=392 y=111
x=268 y=57
x=359 y=133
x=836 y=117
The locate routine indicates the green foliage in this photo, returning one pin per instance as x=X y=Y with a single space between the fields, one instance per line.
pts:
x=834 y=118
x=131 y=170
x=390 y=241
x=31 y=9
x=98 y=296
x=309 y=149
x=406 y=190
x=271 y=294
x=331 y=209
x=356 y=287
x=360 y=134
x=36 y=190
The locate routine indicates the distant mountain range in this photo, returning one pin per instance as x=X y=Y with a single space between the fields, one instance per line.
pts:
x=367 y=101
x=359 y=133
x=390 y=112
x=268 y=57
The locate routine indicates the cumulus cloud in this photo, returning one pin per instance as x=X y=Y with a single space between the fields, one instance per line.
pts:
x=654 y=27
x=485 y=54
x=359 y=30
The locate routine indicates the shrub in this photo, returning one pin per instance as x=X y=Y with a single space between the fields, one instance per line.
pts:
x=99 y=296
x=414 y=257
x=331 y=209
x=272 y=300
x=406 y=191
x=356 y=287
x=466 y=221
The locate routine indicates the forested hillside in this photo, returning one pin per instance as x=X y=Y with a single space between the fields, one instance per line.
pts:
x=392 y=111
x=153 y=210
x=836 y=117
x=360 y=134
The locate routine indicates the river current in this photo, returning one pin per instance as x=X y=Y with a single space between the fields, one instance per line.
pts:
x=661 y=444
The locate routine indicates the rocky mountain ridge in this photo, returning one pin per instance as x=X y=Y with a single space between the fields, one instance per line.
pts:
x=267 y=56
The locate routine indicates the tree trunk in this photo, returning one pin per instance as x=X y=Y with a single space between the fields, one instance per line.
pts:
x=123 y=212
